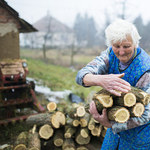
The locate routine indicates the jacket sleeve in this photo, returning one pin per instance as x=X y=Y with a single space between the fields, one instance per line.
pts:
x=144 y=84
x=97 y=66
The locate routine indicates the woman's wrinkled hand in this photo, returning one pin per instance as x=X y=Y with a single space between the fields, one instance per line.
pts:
x=114 y=83
x=102 y=119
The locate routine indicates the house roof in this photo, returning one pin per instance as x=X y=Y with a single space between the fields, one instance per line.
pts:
x=25 y=27
x=51 y=24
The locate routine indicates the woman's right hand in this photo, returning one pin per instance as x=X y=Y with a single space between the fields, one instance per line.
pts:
x=111 y=82
x=114 y=83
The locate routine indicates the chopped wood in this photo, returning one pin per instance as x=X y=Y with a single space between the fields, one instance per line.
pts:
x=21 y=141
x=119 y=114
x=58 y=137
x=58 y=119
x=80 y=139
x=137 y=110
x=46 y=131
x=82 y=148
x=6 y=147
x=103 y=132
x=51 y=106
x=70 y=132
x=76 y=112
x=91 y=124
x=68 y=144
x=126 y=99
x=84 y=120
x=33 y=140
x=84 y=132
x=38 y=119
x=72 y=122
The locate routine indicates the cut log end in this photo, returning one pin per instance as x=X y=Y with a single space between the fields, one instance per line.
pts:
x=58 y=142
x=105 y=100
x=76 y=123
x=138 y=110
x=80 y=111
x=129 y=99
x=122 y=115
x=20 y=147
x=46 y=131
x=51 y=106
x=58 y=119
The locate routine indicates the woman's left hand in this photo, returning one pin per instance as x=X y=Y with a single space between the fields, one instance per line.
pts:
x=102 y=119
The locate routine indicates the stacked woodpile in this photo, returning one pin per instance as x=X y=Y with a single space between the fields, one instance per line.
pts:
x=121 y=108
x=73 y=128
x=69 y=128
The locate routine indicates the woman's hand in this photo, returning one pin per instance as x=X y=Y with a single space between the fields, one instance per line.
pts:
x=102 y=119
x=114 y=83
x=111 y=82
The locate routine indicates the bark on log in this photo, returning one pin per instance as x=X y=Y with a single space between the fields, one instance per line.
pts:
x=70 y=132
x=38 y=119
x=84 y=132
x=58 y=137
x=141 y=96
x=68 y=144
x=126 y=99
x=76 y=112
x=51 y=106
x=72 y=122
x=34 y=141
x=21 y=141
x=46 y=131
x=137 y=110
x=118 y=113
x=85 y=120
x=103 y=99
x=80 y=140
x=91 y=124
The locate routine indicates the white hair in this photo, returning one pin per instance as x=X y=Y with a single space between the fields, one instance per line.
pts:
x=118 y=31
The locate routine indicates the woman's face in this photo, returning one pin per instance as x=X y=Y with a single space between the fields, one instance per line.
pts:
x=124 y=50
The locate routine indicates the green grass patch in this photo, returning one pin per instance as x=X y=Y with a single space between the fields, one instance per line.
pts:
x=57 y=78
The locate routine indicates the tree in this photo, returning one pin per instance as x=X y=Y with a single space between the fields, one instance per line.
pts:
x=85 y=30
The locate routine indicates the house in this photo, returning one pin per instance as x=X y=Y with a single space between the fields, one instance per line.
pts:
x=10 y=27
x=52 y=33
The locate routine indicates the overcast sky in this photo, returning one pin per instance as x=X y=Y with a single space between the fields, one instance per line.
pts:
x=66 y=10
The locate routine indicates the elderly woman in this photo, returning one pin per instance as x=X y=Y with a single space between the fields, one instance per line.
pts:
x=122 y=65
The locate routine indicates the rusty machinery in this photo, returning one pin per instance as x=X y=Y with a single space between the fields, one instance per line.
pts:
x=16 y=92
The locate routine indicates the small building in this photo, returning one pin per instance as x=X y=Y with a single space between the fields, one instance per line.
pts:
x=51 y=32
x=10 y=27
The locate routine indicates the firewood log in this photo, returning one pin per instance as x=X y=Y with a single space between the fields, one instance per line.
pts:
x=91 y=124
x=21 y=141
x=84 y=132
x=141 y=96
x=58 y=137
x=118 y=113
x=51 y=106
x=72 y=122
x=33 y=140
x=103 y=99
x=103 y=132
x=46 y=131
x=85 y=120
x=81 y=140
x=79 y=147
x=68 y=144
x=58 y=119
x=70 y=132
x=97 y=130
x=126 y=99
x=137 y=110
x=76 y=112
x=38 y=119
